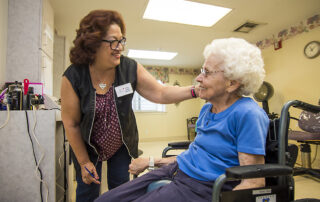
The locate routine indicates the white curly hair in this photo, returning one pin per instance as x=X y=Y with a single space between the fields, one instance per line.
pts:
x=242 y=62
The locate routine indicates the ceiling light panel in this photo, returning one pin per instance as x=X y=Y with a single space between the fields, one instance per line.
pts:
x=185 y=12
x=156 y=55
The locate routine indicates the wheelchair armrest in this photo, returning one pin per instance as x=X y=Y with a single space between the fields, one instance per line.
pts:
x=174 y=146
x=178 y=145
x=246 y=172
x=256 y=171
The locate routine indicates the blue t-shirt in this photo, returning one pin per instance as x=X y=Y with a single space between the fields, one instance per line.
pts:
x=242 y=127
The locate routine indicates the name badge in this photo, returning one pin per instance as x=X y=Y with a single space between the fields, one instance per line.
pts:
x=123 y=90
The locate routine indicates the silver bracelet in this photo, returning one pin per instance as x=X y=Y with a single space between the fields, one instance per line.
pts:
x=151 y=163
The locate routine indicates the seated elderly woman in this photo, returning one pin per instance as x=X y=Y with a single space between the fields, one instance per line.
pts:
x=231 y=131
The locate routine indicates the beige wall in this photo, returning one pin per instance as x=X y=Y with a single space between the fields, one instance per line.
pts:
x=3 y=38
x=171 y=124
x=293 y=76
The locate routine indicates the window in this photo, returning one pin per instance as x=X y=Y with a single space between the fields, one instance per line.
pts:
x=141 y=104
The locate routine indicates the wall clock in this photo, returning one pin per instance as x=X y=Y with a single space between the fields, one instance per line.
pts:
x=312 y=49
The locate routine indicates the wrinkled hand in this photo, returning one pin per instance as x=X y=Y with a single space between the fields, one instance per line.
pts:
x=138 y=165
x=86 y=177
x=250 y=184
x=242 y=186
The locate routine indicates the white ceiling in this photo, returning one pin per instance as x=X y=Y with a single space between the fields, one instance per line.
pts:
x=189 y=41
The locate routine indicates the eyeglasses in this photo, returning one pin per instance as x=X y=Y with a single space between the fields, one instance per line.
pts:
x=207 y=73
x=114 y=44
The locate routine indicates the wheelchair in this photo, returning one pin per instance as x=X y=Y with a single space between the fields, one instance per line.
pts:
x=278 y=169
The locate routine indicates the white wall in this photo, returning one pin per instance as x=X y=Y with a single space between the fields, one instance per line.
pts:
x=3 y=38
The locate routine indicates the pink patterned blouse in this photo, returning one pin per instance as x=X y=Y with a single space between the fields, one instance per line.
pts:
x=106 y=132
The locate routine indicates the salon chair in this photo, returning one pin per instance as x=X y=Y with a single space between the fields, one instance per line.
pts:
x=309 y=123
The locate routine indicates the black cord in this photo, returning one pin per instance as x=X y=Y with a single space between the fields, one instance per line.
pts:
x=51 y=109
x=34 y=155
x=315 y=156
x=65 y=164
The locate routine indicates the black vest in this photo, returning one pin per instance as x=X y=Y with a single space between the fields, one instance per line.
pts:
x=126 y=72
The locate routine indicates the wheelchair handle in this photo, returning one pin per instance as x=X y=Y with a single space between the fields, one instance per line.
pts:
x=305 y=106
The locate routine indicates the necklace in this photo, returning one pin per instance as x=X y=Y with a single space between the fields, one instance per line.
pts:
x=103 y=78
x=102 y=85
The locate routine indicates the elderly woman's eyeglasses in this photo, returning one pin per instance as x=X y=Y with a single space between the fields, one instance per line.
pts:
x=207 y=73
x=114 y=44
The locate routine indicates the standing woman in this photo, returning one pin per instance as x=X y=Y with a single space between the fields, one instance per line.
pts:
x=96 y=95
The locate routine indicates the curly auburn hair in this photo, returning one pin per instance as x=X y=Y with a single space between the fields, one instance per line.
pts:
x=92 y=29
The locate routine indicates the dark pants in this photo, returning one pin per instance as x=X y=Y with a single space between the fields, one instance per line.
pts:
x=182 y=189
x=117 y=174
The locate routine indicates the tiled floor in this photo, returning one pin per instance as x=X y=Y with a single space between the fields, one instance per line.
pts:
x=305 y=186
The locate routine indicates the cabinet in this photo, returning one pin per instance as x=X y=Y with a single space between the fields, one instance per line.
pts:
x=30 y=42
x=18 y=179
